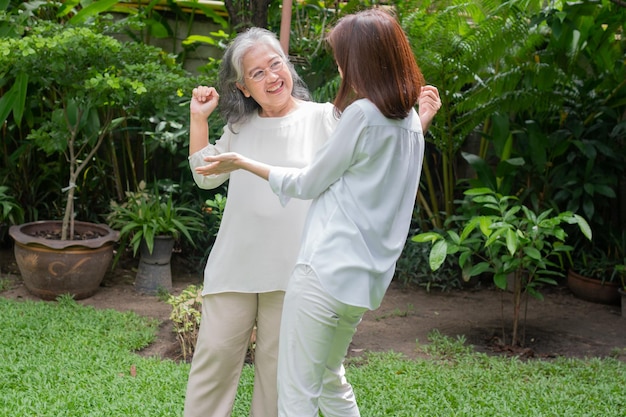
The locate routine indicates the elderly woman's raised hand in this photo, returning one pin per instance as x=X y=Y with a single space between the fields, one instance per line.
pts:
x=203 y=101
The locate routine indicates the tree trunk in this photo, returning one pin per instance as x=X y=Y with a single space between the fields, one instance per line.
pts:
x=517 y=301
x=247 y=13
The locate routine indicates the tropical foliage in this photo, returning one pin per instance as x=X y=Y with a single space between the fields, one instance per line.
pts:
x=534 y=106
x=534 y=103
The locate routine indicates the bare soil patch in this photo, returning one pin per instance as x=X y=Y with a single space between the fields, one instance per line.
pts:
x=560 y=325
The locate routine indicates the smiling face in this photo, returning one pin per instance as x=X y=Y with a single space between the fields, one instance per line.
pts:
x=273 y=92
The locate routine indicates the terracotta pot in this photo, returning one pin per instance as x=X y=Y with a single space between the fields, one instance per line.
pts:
x=591 y=289
x=52 y=267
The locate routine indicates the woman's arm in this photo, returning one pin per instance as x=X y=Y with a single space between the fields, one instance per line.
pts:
x=328 y=164
x=230 y=161
x=203 y=102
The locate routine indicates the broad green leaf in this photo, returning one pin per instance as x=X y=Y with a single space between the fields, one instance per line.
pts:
x=511 y=241
x=478 y=191
x=500 y=280
x=157 y=29
x=479 y=269
x=208 y=12
x=438 y=254
x=426 y=237
x=200 y=39
x=483 y=170
x=21 y=83
x=6 y=105
x=584 y=226
x=93 y=9
x=484 y=223
x=533 y=253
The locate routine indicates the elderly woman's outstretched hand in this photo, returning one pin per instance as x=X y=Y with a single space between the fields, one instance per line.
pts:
x=227 y=162
x=223 y=163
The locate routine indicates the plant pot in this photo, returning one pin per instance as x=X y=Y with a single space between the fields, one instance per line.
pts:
x=593 y=290
x=622 y=293
x=155 y=271
x=52 y=267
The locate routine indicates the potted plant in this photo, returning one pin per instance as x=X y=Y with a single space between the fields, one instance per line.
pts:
x=505 y=238
x=596 y=271
x=149 y=223
x=71 y=87
x=594 y=276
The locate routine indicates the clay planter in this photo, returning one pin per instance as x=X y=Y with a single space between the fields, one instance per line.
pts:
x=622 y=293
x=593 y=290
x=52 y=267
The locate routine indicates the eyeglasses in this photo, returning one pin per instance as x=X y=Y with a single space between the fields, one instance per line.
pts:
x=259 y=75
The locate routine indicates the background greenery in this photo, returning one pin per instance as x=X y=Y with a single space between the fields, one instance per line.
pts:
x=534 y=106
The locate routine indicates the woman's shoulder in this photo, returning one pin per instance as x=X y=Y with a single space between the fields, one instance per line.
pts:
x=363 y=105
x=368 y=110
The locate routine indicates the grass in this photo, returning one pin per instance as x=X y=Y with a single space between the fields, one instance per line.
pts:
x=6 y=283
x=65 y=359
x=477 y=385
x=397 y=313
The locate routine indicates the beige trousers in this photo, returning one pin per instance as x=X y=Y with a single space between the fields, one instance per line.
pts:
x=223 y=338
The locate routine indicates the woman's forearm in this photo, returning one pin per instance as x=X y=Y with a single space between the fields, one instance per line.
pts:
x=198 y=133
x=230 y=161
x=257 y=168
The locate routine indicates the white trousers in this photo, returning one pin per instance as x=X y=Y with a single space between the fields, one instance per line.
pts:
x=316 y=331
x=223 y=338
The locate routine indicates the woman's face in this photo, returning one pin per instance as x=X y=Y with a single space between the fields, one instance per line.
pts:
x=273 y=90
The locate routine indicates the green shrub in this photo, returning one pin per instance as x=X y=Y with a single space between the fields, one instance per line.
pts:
x=186 y=314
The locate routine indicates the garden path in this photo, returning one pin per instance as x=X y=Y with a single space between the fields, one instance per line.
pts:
x=560 y=325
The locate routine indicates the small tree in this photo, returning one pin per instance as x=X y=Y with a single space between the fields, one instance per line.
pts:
x=506 y=239
x=73 y=86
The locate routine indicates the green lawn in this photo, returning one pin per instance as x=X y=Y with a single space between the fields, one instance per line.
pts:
x=64 y=359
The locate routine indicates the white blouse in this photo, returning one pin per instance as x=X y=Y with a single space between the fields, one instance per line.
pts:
x=363 y=181
x=258 y=240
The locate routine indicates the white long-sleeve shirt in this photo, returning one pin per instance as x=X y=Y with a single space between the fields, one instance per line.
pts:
x=256 y=247
x=363 y=181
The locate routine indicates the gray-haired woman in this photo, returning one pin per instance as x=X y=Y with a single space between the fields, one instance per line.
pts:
x=269 y=118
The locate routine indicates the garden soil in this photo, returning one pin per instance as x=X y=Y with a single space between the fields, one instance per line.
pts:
x=558 y=325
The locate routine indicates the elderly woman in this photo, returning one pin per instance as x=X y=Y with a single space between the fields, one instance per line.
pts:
x=269 y=118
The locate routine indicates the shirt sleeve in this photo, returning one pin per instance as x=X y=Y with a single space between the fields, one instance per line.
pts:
x=328 y=165
x=197 y=160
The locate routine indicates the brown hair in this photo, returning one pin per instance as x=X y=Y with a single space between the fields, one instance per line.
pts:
x=377 y=63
